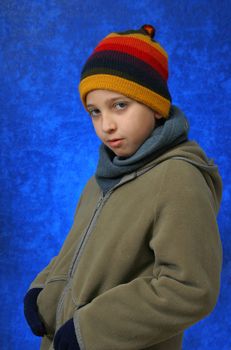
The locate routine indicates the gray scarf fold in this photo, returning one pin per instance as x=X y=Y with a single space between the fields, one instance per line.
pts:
x=112 y=168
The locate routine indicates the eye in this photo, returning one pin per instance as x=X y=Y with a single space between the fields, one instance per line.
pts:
x=120 y=105
x=94 y=112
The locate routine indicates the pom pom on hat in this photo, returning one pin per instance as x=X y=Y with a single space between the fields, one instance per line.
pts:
x=149 y=29
x=131 y=63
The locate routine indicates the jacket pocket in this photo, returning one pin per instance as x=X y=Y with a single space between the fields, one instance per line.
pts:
x=48 y=300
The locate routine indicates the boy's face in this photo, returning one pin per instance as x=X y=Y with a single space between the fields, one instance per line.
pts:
x=121 y=123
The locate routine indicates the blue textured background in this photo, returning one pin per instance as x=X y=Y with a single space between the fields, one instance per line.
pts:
x=48 y=148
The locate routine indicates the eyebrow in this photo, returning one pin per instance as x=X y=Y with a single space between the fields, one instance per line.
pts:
x=108 y=101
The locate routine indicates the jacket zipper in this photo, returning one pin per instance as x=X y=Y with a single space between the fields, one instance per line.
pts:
x=75 y=260
x=85 y=236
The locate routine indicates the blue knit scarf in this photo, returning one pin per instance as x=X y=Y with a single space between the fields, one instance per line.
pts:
x=112 y=168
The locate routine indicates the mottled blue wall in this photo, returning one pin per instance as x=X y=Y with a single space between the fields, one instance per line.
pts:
x=48 y=148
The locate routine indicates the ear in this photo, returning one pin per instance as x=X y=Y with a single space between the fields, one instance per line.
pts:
x=157 y=115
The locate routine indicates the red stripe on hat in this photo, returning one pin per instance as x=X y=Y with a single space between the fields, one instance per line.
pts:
x=137 y=42
x=151 y=60
x=139 y=49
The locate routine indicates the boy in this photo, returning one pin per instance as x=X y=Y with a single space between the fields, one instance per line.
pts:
x=142 y=261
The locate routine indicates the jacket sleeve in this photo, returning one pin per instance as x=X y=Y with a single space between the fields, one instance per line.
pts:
x=39 y=281
x=184 y=286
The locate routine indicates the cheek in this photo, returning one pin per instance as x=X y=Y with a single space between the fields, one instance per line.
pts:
x=99 y=133
x=96 y=127
x=143 y=129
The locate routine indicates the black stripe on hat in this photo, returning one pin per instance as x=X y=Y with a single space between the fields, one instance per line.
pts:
x=128 y=67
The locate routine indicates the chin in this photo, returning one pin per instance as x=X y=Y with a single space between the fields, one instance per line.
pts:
x=124 y=154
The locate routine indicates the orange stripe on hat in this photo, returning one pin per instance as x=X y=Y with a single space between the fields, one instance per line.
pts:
x=125 y=87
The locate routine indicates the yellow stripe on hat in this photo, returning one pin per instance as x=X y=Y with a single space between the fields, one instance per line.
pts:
x=126 y=87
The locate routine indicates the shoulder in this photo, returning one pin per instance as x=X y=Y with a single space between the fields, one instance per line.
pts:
x=184 y=162
x=177 y=172
x=91 y=187
x=177 y=169
x=183 y=185
x=89 y=195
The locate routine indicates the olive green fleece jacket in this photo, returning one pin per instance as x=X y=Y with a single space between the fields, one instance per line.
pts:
x=142 y=263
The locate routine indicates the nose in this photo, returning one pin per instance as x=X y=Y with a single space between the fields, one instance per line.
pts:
x=108 y=123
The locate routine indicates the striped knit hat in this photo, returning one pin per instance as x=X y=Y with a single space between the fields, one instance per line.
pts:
x=131 y=63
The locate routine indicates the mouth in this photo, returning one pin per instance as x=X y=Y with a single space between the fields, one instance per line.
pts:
x=115 y=142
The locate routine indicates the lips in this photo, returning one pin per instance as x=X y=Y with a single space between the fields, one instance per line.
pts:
x=115 y=142
x=112 y=140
